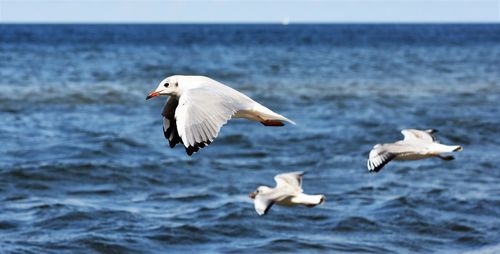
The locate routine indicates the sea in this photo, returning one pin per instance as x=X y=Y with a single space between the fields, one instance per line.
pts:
x=84 y=166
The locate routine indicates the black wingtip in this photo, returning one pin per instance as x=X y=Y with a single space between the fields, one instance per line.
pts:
x=431 y=131
x=171 y=144
x=377 y=168
x=189 y=150
x=267 y=208
x=193 y=149
x=372 y=168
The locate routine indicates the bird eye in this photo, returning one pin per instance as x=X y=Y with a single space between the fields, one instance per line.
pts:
x=165 y=85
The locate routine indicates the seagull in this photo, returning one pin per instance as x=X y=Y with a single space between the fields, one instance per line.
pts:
x=288 y=192
x=416 y=145
x=199 y=106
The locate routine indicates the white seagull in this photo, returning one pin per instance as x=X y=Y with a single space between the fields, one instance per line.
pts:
x=199 y=106
x=288 y=192
x=416 y=145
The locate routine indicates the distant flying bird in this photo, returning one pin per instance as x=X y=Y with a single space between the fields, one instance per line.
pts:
x=288 y=192
x=416 y=145
x=199 y=106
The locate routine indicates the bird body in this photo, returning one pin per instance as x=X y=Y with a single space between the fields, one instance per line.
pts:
x=302 y=199
x=416 y=145
x=288 y=192
x=199 y=106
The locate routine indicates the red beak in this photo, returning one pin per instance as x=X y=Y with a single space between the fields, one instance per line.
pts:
x=252 y=195
x=152 y=94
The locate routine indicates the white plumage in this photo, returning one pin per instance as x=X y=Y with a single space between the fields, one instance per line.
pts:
x=416 y=145
x=199 y=106
x=288 y=192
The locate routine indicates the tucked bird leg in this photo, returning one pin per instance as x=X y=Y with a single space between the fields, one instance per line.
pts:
x=446 y=158
x=275 y=123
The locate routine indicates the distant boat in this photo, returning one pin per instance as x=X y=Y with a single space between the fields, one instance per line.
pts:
x=285 y=21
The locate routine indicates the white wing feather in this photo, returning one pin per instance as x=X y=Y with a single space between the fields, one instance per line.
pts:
x=379 y=156
x=417 y=135
x=201 y=113
x=292 y=179
x=382 y=154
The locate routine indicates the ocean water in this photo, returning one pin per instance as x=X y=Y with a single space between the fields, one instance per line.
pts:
x=84 y=167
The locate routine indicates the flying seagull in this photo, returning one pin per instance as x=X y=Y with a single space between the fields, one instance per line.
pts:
x=199 y=106
x=416 y=145
x=288 y=192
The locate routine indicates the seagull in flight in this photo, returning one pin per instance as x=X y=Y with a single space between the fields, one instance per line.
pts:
x=199 y=106
x=416 y=145
x=288 y=192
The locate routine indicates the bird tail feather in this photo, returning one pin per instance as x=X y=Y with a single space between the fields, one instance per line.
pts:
x=440 y=148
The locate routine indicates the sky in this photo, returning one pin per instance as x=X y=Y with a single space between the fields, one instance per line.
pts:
x=246 y=11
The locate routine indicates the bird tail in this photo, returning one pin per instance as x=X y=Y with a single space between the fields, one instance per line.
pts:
x=269 y=117
x=282 y=118
x=440 y=148
x=309 y=200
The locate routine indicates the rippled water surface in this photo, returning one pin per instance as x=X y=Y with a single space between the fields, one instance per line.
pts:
x=84 y=166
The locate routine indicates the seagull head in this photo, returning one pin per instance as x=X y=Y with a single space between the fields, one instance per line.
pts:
x=168 y=86
x=260 y=190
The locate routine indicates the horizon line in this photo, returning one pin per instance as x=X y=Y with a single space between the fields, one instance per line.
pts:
x=260 y=23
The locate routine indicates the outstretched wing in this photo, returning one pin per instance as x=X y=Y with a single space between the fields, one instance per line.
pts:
x=262 y=204
x=379 y=156
x=169 y=124
x=293 y=179
x=201 y=112
x=418 y=135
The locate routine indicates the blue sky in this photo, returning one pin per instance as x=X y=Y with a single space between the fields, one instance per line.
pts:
x=225 y=11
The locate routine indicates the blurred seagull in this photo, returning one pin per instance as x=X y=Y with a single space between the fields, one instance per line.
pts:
x=288 y=192
x=199 y=106
x=416 y=145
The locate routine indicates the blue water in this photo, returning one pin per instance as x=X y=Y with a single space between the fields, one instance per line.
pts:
x=84 y=166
